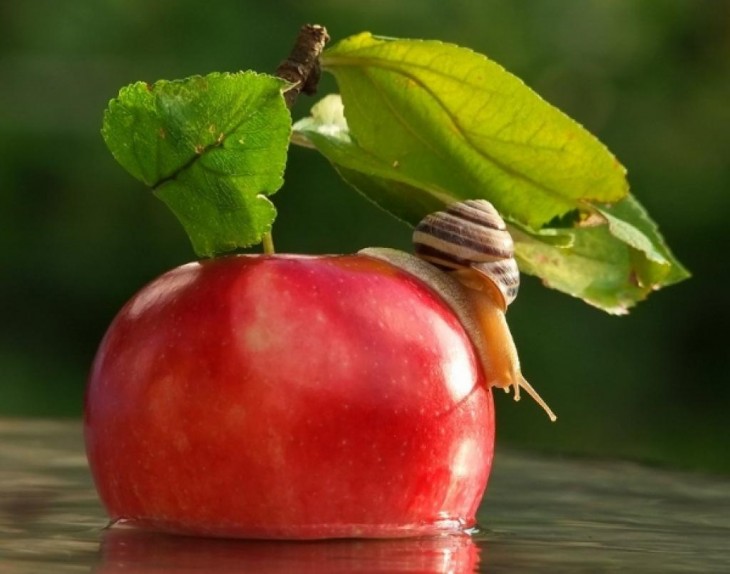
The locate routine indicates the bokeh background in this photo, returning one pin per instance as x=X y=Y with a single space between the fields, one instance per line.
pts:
x=78 y=236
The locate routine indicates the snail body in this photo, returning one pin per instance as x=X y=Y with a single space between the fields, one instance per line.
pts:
x=470 y=242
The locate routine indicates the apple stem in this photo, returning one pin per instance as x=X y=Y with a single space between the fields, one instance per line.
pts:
x=267 y=242
x=301 y=69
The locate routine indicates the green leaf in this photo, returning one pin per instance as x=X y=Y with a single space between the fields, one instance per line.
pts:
x=447 y=116
x=425 y=124
x=211 y=147
x=629 y=222
x=611 y=264
x=595 y=268
x=406 y=197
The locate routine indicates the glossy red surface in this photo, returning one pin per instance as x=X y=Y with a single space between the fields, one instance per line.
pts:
x=289 y=397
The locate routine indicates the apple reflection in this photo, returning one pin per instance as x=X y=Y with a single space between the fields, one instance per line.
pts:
x=132 y=550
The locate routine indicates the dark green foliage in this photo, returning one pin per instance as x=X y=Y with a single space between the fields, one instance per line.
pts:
x=650 y=79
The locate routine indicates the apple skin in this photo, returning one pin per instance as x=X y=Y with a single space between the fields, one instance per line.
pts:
x=292 y=397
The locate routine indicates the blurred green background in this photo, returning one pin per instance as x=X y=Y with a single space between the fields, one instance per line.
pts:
x=652 y=79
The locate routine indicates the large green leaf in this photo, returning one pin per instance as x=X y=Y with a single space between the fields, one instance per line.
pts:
x=452 y=118
x=211 y=147
x=611 y=260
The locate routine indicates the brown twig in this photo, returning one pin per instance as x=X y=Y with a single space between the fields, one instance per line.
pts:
x=301 y=68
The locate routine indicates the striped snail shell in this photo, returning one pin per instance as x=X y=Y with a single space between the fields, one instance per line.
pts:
x=470 y=241
x=470 y=235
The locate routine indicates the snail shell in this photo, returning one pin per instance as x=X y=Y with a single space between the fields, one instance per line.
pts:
x=471 y=235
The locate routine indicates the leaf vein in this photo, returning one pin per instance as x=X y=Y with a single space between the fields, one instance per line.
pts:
x=458 y=129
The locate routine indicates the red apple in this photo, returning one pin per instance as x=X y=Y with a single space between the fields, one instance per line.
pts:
x=289 y=397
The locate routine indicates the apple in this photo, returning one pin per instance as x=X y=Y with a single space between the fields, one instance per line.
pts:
x=291 y=397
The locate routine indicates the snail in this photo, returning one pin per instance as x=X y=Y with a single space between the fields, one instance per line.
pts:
x=470 y=242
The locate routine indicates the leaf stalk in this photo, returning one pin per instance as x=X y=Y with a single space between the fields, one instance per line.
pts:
x=302 y=68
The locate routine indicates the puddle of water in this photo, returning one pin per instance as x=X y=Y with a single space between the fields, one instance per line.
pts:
x=540 y=514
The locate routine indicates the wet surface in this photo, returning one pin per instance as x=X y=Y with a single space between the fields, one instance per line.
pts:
x=540 y=515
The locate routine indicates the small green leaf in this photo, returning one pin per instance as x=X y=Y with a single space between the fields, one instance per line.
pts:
x=596 y=268
x=655 y=264
x=211 y=147
x=611 y=266
x=453 y=118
